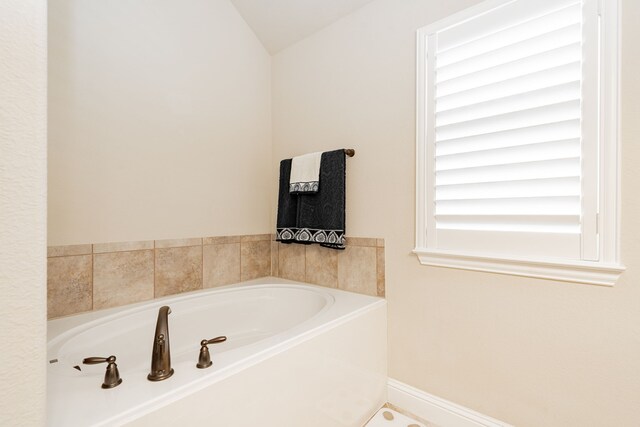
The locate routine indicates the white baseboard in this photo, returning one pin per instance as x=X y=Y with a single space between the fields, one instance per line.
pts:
x=436 y=410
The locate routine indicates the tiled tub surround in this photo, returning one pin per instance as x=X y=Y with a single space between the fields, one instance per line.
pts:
x=97 y=276
x=359 y=268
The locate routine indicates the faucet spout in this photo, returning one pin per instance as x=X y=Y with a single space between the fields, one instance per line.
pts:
x=161 y=354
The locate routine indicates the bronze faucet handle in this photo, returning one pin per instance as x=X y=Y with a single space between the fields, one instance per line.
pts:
x=204 y=360
x=112 y=376
x=215 y=340
x=96 y=360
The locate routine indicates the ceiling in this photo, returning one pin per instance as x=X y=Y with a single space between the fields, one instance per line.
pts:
x=281 y=23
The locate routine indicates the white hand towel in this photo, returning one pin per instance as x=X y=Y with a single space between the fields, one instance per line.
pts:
x=305 y=174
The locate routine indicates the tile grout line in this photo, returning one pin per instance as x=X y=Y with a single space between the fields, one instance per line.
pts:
x=240 y=255
x=154 y=269
x=305 y=263
x=239 y=260
x=202 y=263
x=92 y=279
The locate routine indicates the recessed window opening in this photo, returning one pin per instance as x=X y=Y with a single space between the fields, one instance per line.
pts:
x=517 y=135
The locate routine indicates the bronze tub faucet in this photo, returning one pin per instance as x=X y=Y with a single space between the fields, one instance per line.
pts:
x=161 y=354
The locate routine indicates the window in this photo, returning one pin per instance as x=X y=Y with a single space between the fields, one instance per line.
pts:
x=517 y=145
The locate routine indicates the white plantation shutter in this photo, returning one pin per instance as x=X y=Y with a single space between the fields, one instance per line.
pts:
x=511 y=131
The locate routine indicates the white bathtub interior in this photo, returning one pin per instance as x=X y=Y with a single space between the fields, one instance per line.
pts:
x=257 y=313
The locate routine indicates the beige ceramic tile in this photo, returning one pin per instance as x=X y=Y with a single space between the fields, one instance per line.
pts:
x=221 y=264
x=361 y=241
x=68 y=250
x=178 y=243
x=68 y=285
x=255 y=238
x=255 y=259
x=100 y=248
x=219 y=240
x=274 y=258
x=380 y=271
x=322 y=266
x=357 y=270
x=291 y=261
x=121 y=278
x=380 y=243
x=178 y=270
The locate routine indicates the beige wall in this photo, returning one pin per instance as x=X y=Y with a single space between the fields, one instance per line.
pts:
x=159 y=121
x=530 y=352
x=23 y=174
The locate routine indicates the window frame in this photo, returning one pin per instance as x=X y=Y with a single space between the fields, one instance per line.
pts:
x=607 y=268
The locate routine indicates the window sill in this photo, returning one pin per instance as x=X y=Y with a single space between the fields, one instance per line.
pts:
x=592 y=273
